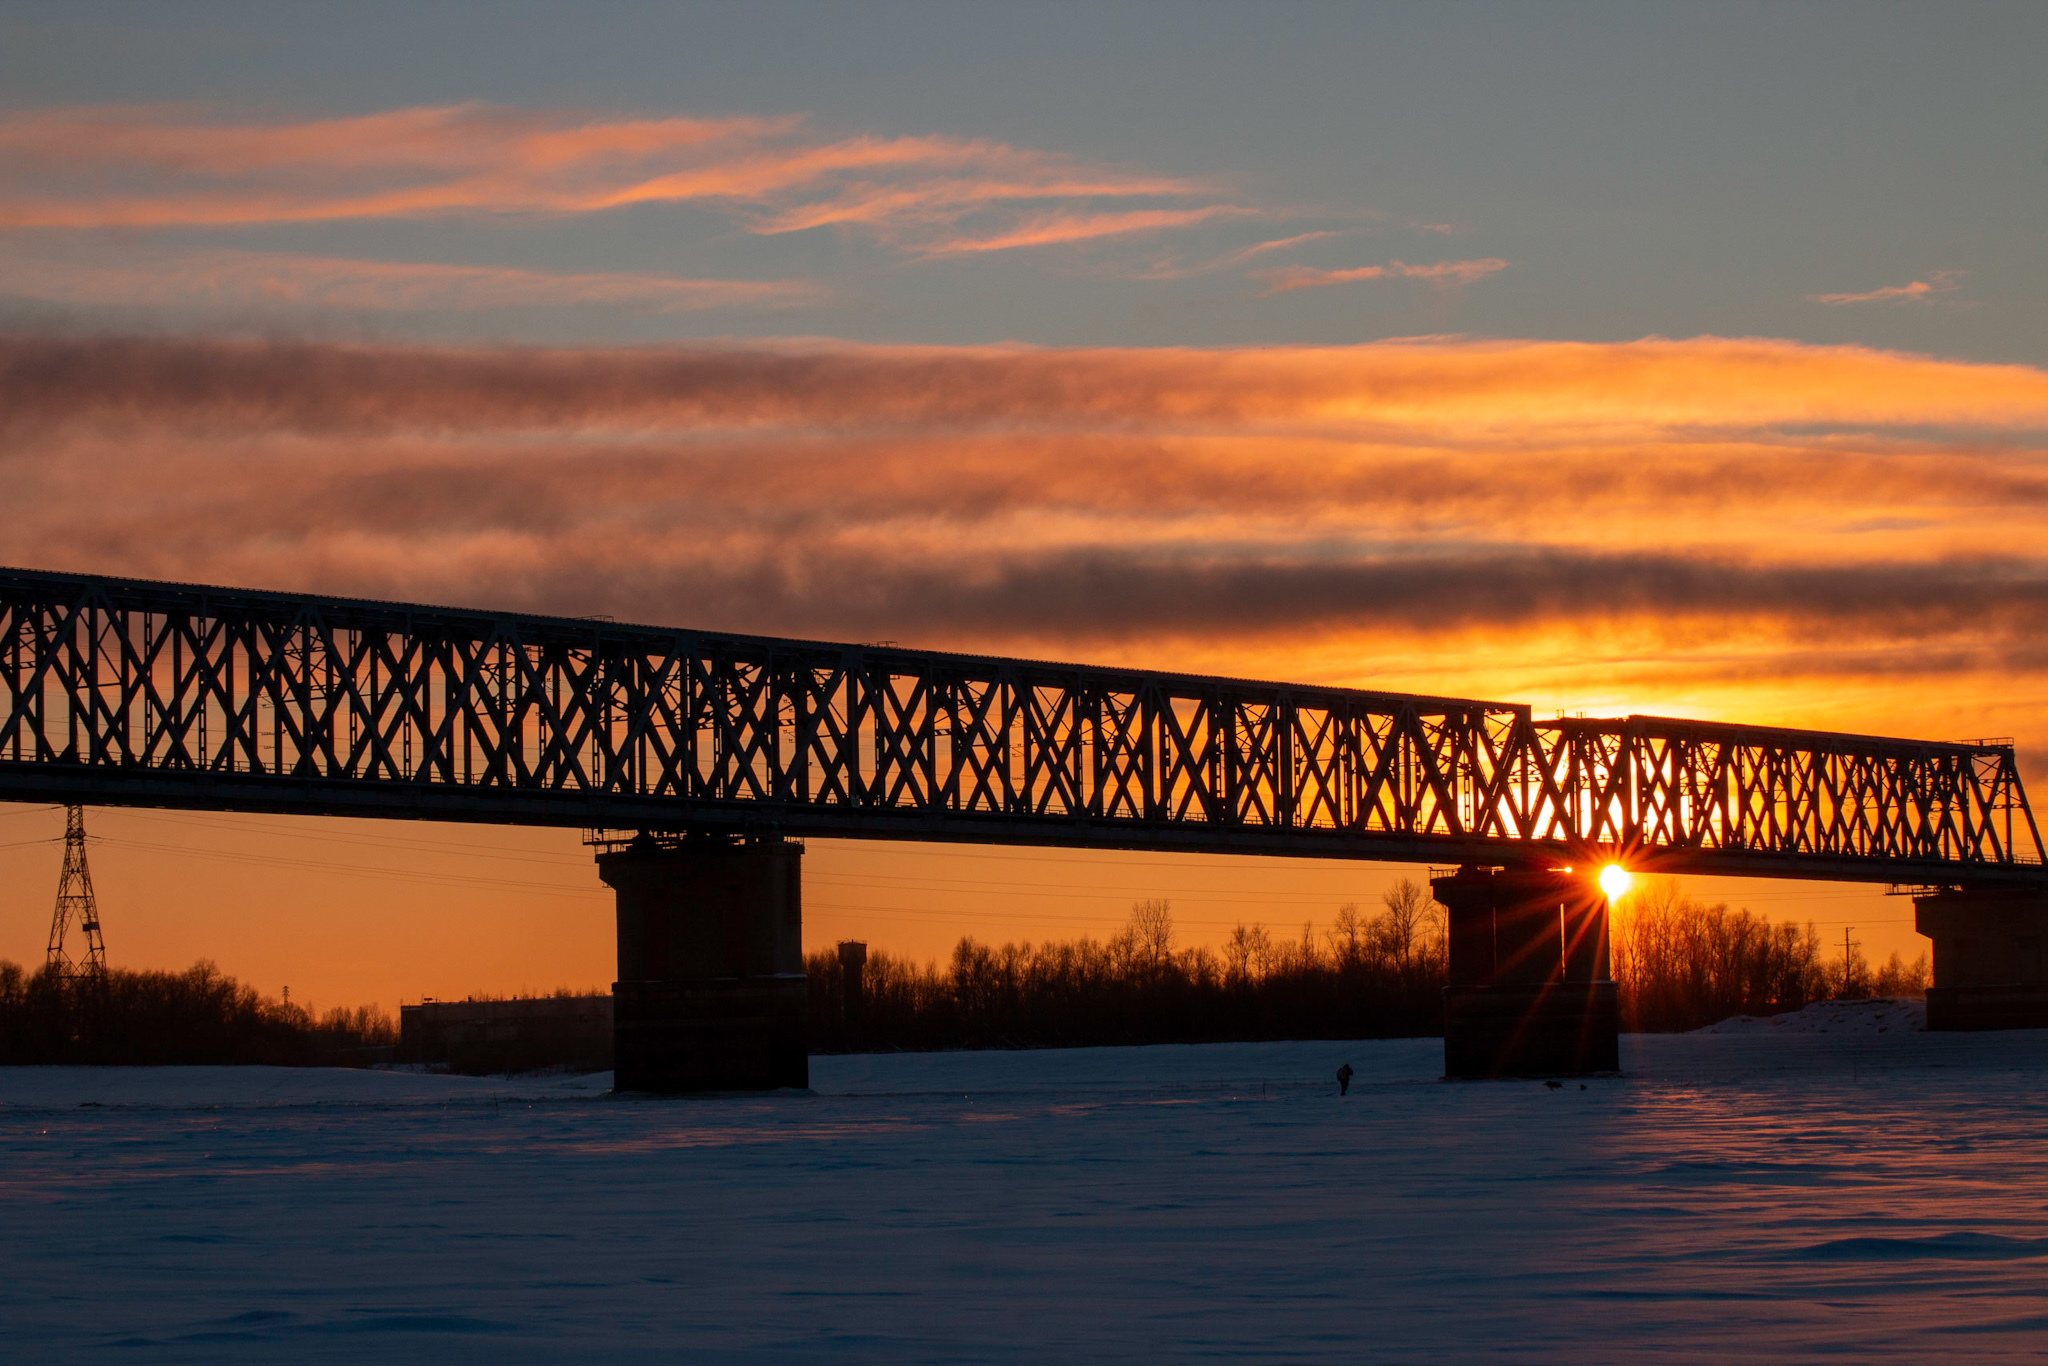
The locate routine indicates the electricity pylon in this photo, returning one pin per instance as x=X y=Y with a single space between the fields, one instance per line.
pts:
x=75 y=902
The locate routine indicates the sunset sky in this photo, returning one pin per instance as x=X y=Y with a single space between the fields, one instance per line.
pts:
x=1681 y=360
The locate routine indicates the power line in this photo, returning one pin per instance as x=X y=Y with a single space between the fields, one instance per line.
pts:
x=1094 y=891
x=353 y=869
x=1262 y=906
x=880 y=881
x=1037 y=917
x=908 y=880
x=393 y=842
x=879 y=885
x=1289 y=898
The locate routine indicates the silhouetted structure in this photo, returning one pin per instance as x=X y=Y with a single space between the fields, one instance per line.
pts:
x=853 y=960
x=1987 y=957
x=1530 y=986
x=710 y=995
x=77 y=905
x=519 y=1035
x=120 y=691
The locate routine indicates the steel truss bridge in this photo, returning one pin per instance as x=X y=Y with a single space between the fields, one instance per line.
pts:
x=128 y=692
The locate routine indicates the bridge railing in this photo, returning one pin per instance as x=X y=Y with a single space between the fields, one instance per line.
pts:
x=189 y=695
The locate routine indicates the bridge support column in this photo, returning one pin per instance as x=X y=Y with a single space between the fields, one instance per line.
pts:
x=1987 y=957
x=711 y=992
x=1529 y=991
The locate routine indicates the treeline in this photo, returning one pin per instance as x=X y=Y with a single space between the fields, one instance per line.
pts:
x=1366 y=977
x=198 y=1016
x=1678 y=964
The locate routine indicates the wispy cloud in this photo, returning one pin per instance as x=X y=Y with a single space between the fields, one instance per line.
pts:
x=1918 y=291
x=1174 y=270
x=140 y=167
x=1059 y=229
x=1287 y=279
x=256 y=280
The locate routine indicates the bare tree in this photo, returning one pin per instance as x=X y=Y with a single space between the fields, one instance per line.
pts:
x=1247 y=954
x=1345 y=934
x=1151 y=930
x=1308 y=957
x=1408 y=905
x=1262 y=950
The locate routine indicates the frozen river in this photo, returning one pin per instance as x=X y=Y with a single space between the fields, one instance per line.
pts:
x=1764 y=1195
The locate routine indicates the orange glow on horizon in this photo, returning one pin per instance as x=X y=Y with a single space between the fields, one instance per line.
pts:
x=1406 y=517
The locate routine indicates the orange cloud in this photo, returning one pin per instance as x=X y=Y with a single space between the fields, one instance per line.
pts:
x=1732 y=528
x=1288 y=279
x=128 y=166
x=240 y=279
x=1816 y=535
x=1057 y=229
x=455 y=137
x=1169 y=270
x=1461 y=393
x=1919 y=291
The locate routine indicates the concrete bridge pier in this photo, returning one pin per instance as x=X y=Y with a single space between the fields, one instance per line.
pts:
x=711 y=991
x=1987 y=956
x=1529 y=989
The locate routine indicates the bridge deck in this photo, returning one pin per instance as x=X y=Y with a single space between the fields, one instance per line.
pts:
x=127 y=692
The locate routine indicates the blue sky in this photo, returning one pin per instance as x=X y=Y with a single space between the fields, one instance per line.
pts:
x=1641 y=170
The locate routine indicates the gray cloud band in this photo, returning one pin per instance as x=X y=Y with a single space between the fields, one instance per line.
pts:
x=1485 y=393
x=950 y=494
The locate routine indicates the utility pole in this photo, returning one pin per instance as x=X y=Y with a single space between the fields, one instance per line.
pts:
x=1848 y=961
x=75 y=902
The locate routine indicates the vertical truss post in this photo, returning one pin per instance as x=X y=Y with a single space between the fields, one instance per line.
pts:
x=76 y=904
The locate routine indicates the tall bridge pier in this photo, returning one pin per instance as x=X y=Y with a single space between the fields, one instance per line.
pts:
x=1530 y=989
x=1987 y=956
x=711 y=989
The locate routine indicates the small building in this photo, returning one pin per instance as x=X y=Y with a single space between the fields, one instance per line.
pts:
x=520 y=1035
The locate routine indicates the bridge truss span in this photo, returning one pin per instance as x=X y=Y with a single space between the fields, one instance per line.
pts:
x=116 y=691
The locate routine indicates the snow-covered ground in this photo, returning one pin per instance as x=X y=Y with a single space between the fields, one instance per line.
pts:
x=1879 y=1015
x=1767 y=1192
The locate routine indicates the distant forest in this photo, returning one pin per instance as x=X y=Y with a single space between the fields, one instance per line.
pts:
x=1364 y=978
x=1678 y=963
x=201 y=1015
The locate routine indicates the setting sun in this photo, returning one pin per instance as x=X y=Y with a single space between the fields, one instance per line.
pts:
x=1615 y=881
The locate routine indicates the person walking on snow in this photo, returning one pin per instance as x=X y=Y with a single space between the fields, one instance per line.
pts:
x=1344 y=1080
